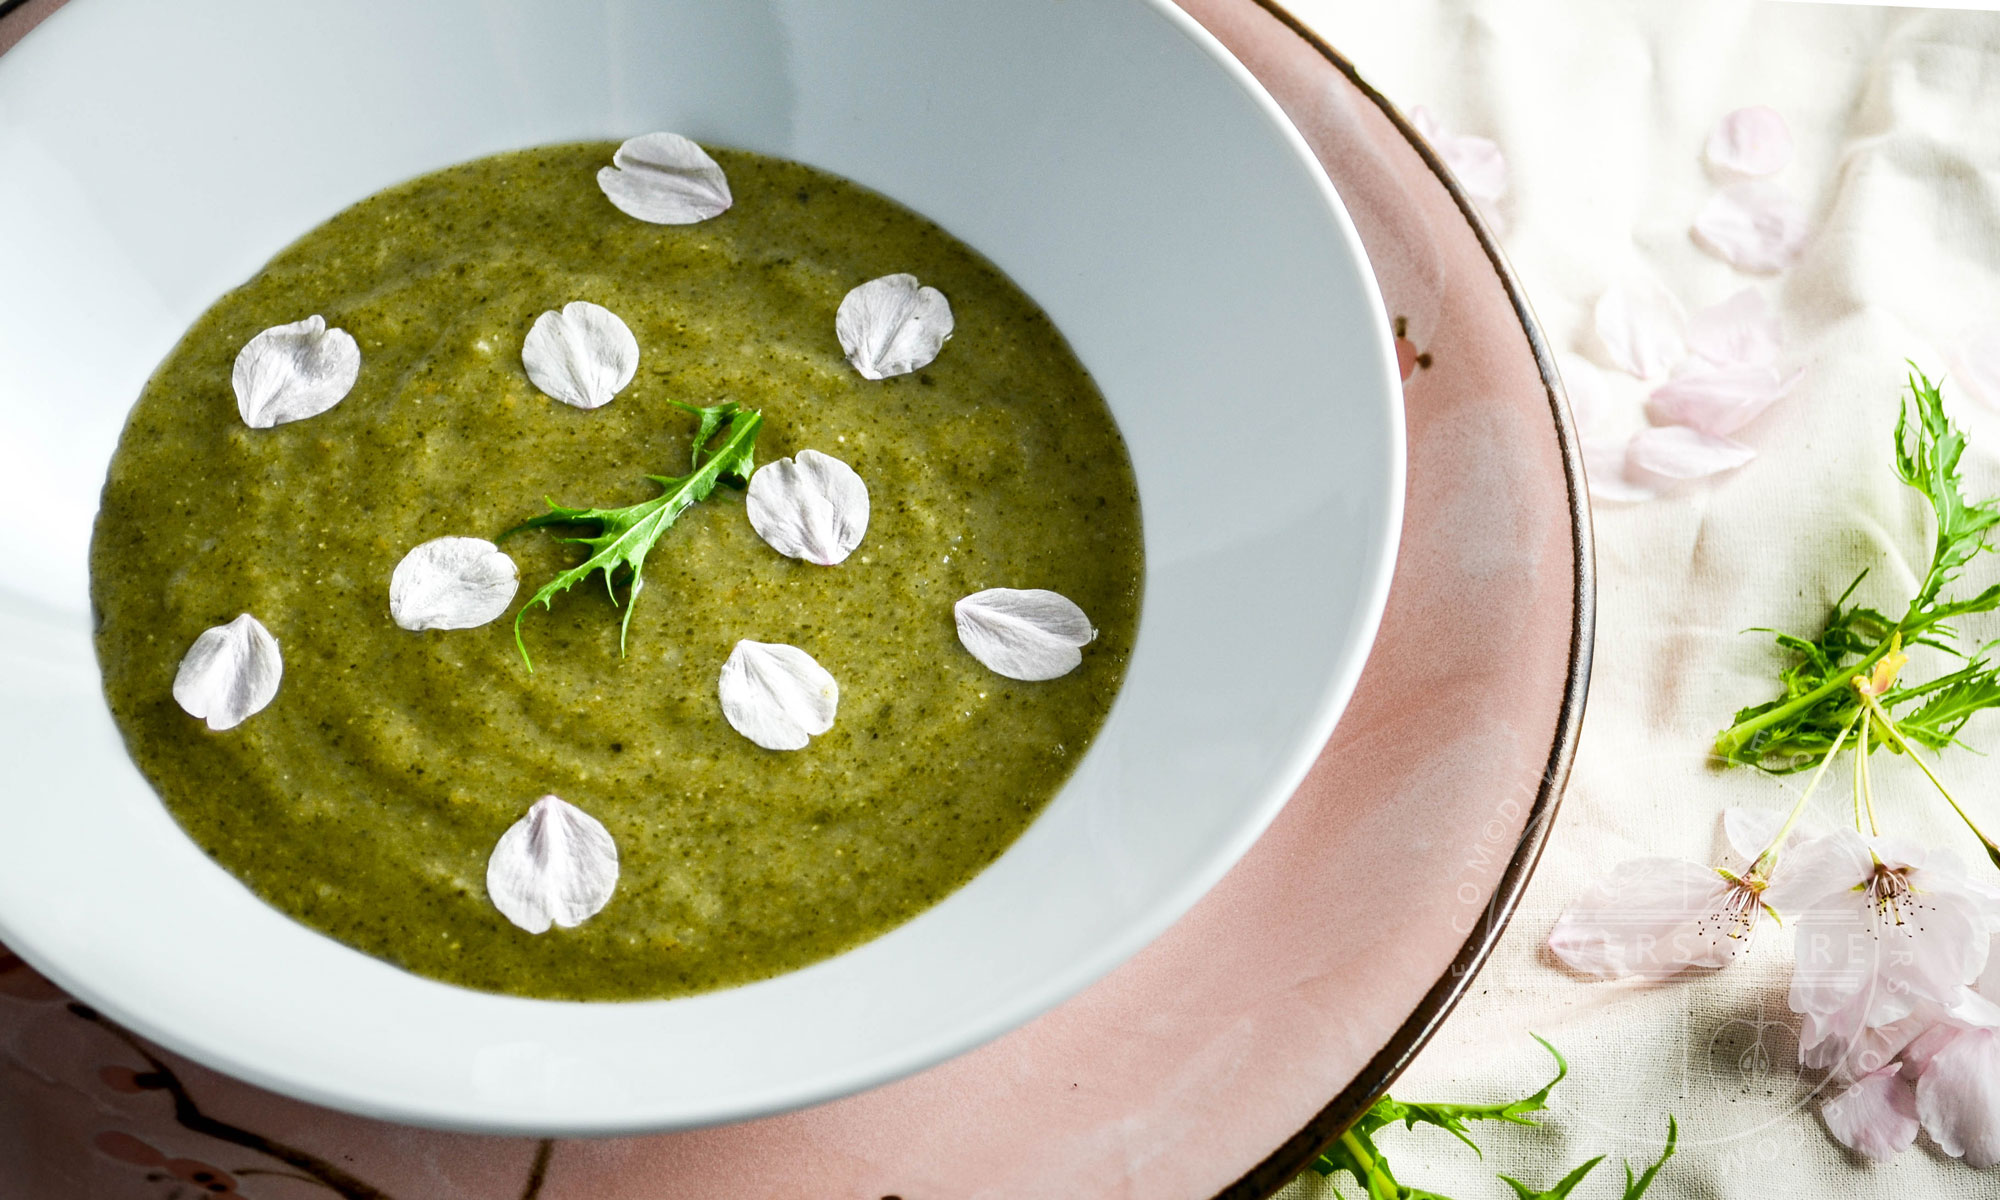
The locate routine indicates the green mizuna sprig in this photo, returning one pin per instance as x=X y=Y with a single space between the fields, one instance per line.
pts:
x=624 y=536
x=1357 y=1153
x=1846 y=681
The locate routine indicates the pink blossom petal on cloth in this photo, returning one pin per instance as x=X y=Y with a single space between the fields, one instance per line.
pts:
x=1876 y=1116
x=1753 y=226
x=1750 y=141
x=1604 y=471
x=1719 y=400
x=1958 y=1098
x=1642 y=327
x=1739 y=331
x=1677 y=452
x=1589 y=400
x=1653 y=918
x=1476 y=162
x=1973 y=360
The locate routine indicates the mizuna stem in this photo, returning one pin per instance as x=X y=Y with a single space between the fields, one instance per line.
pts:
x=1867 y=780
x=1737 y=736
x=1889 y=727
x=1767 y=859
x=1375 y=1182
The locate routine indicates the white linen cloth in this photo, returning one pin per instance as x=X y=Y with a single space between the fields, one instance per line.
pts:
x=1602 y=108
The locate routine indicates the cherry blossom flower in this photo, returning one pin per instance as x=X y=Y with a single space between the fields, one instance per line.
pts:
x=1886 y=928
x=1652 y=918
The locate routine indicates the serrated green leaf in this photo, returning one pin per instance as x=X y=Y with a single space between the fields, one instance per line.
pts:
x=1560 y=1191
x=625 y=536
x=1953 y=700
x=1927 y=456
x=1635 y=1188
x=1794 y=731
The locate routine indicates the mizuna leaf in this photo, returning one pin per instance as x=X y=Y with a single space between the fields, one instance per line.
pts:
x=624 y=536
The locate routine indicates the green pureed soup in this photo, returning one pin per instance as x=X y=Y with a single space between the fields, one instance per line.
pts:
x=366 y=799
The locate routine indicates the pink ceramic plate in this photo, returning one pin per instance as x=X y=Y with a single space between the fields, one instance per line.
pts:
x=1204 y=1066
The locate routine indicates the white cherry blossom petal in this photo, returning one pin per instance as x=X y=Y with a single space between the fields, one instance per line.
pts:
x=1750 y=141
x=1476 y=162
x=666 y=179
x=555 y=866
x=1589 y=398
x=1677 y=452
x=892 y=326
x=1604 y=470
x=1973 y=359
x=1642 y=326
x=582 y=356
x=452 y=583
x=777 y=695
x=1878 y=1046
x=1719 y=400
x=1753 y=226
x=1030 y=634
x=1739 y=331
x=291 y=372
x=1749 y=830
x=1599 y=416
x=813 y=507
x=1876 y=1116
x=1958 y=1098
x=1653 y=918
x=1814 y=869
x=230 y=673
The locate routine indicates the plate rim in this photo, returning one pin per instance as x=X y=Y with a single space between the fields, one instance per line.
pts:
x=1337 y=693
x=1296 y=1154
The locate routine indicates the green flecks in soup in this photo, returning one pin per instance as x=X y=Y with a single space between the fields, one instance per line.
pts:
x=366 y=799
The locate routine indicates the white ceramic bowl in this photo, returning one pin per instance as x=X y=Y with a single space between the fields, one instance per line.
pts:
x=1107 y=154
